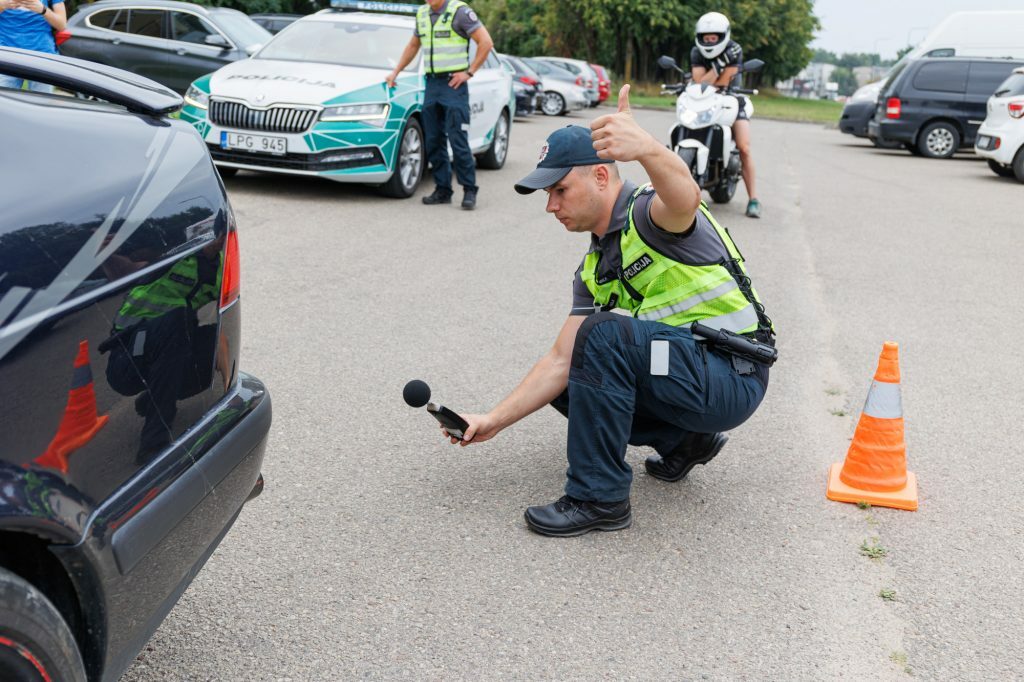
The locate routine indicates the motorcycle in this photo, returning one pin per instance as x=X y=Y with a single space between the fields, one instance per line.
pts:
x=702 y=135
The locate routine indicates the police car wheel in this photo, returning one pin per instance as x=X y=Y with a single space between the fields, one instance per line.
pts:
x=35 y=641
x=553 y=104
x=938 y=140
x=494 y=157
x=409 y=164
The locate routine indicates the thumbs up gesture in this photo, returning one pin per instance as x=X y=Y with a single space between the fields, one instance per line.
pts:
x=618 y=137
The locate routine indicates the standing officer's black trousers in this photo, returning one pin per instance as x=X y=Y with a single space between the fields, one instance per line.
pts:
x=446 y=120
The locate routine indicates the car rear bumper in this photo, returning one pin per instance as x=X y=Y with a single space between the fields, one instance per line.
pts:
x=855 y=118
x=146 y=544
x=989 y=137
x=892 y=131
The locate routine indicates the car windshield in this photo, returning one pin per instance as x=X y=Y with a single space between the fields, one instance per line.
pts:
x=241 y=28
x=340 y=42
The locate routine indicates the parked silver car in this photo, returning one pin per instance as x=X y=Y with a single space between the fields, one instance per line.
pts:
x=562 y=94
x=584 y=71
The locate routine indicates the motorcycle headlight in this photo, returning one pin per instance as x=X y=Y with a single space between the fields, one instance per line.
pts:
x=688 y=117
x=195 y=97
x=356 y=112
x=705 y=117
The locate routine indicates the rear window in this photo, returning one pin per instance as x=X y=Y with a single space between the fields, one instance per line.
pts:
x=942 y=77
x=104 y=19
x=890 y=82
x=986 y=77
x=146 y=22
x=1012 y=86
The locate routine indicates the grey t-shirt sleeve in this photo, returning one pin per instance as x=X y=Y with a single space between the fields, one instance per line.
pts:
x=466 y=22
x=582 y=300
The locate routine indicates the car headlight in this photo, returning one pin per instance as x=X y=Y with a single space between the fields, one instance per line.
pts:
x=197 y=98
x=356 y=112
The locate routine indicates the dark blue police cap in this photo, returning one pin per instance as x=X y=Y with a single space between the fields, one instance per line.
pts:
x=565 y=148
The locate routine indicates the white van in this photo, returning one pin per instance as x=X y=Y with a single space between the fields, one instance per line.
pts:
x=963 y=34
x=975 y=34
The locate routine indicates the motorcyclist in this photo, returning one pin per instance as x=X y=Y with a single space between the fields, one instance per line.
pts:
x=716 y=59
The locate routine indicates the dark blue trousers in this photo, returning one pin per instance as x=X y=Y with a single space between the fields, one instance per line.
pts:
x=613 y=400
x=446 y=120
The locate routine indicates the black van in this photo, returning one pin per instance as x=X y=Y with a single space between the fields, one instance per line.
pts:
x=130 y=438
x=934 y=106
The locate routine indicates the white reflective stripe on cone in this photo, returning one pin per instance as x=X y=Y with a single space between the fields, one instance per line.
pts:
x=884 y=401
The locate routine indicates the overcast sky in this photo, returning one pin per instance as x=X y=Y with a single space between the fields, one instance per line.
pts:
x=885 y=26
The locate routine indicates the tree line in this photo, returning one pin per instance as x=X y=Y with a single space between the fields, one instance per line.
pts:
x=626 y=36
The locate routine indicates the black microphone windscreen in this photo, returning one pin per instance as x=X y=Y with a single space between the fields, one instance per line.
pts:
x=416 y=393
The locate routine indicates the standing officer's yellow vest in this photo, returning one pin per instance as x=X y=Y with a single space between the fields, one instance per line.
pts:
x=444 y=50
x=654 y=287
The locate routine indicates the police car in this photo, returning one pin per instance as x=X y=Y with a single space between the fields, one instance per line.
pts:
x=313 y=101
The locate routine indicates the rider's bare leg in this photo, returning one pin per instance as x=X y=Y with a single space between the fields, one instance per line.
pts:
x=741 y=133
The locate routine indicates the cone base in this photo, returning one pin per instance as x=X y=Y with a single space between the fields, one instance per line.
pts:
x=904 y=498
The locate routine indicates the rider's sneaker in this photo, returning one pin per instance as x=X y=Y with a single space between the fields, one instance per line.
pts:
x=753 y=208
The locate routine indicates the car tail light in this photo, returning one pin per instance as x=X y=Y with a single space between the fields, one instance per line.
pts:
x=579 y=80
x=230 y=280
x=892 y=107
x=1016 y=109
x=528 y=80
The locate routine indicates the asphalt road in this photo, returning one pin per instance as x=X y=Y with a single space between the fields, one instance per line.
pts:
x=379 y=551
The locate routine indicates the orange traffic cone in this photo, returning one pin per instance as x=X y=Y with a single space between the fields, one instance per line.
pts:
x=80 y=422
x=875 y=470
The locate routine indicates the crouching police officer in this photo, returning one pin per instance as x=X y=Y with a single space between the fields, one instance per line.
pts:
x=642 y=380
x=443 y=30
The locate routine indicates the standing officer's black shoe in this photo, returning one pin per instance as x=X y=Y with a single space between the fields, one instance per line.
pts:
x=469 y=199
x=438 y=197
x=568 y=517
x=696 y=448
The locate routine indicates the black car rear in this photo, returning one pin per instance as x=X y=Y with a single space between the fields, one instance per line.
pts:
x=934 y=106
x=130 y=439
x=526 y=84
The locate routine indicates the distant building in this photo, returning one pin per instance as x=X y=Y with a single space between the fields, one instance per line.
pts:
x=869 y=74
x=810 y=83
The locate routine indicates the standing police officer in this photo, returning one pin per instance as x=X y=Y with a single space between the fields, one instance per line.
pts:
x=443 y=30
x=643 y=380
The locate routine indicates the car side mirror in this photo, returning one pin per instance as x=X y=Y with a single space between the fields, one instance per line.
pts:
x=753 y=65
x=666 y=62
x=216 y=40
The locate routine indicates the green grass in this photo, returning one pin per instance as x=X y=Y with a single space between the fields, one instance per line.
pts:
x=873 y=550
x=768 y=104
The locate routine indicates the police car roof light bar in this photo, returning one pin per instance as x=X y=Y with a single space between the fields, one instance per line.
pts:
x=373 y=6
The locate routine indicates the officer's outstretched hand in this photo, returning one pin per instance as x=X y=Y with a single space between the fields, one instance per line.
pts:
x=618 y=136
x=390 y=79
x=481 y=427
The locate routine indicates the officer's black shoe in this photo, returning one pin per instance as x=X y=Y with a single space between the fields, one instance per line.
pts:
x=696 y=448
x=438 y=197
x=568 y=517
x=469 y=199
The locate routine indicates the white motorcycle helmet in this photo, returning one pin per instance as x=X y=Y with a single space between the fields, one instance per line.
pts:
x=718 y=24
